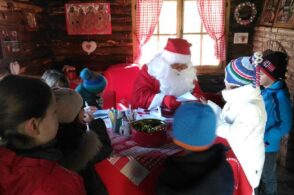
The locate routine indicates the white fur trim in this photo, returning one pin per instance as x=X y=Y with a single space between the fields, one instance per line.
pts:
x=172 y=58
x=157 y=100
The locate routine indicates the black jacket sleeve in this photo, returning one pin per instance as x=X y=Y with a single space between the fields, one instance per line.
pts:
x=98 y=126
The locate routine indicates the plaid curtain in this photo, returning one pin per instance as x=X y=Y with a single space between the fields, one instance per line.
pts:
x=147 y=16
x=212 y=14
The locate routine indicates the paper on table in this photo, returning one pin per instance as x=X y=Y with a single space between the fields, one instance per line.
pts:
x=143 y=113
x=186 y=97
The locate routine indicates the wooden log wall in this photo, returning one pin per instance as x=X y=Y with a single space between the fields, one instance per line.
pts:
x=111 y=49
x=30 y=48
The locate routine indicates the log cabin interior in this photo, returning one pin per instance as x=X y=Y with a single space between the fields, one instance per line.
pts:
x=37 y=35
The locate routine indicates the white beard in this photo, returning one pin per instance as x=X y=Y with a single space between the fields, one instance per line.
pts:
x=172 y=82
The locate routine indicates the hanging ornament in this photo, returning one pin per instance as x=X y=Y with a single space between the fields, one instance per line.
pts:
x=14 y=68
x=89 y=46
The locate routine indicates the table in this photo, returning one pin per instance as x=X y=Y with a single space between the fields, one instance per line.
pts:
x=132 y=169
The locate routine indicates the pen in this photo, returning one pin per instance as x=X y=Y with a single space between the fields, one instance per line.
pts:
x=86 y=108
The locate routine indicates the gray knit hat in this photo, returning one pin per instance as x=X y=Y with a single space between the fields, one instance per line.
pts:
x=68 y=104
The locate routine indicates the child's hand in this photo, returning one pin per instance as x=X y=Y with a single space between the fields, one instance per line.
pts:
x=87 y=117
x=90 y=110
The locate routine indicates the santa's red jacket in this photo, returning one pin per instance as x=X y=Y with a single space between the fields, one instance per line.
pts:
x=146 y=87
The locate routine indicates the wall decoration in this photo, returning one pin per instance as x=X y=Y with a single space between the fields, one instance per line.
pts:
x=245 y=13
x=31 y=21
x=240 y=38
x=89 y=46
x=267 y=17
x=10 y=43
x=285 y=14
x=88 y=18
x=9 y=35
x=15 y=68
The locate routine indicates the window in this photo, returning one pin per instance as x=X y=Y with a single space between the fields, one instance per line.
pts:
x=180 y=18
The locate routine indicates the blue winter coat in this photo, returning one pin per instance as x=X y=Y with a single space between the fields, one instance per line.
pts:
x=279 y=115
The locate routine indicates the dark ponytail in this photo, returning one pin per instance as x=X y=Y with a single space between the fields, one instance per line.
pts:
x=21 y=98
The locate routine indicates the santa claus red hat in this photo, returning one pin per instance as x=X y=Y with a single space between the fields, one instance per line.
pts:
x=177 y=51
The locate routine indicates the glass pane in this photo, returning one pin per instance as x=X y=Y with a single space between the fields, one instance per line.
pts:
x=149 y=50
x=208 y=57
x=154 y=46
x=192 y=21
x=195 y=48
x=162 y=42
x=168 y=18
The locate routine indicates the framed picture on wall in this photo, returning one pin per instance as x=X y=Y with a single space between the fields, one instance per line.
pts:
x=285 y=14
x=31 y=21
x=9 y=43
x=240 y=38
x=268 y=14
x=88 y=18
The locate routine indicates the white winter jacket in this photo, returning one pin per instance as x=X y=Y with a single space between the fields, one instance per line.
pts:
x=242 y=123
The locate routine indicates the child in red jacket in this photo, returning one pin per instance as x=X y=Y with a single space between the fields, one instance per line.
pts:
x=28 y=154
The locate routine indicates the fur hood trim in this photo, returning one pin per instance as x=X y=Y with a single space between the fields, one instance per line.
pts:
x=88 y=149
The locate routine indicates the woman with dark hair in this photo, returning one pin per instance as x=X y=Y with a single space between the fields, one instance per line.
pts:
x=28 y=155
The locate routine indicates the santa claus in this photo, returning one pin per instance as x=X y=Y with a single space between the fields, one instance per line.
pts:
x=169 y=75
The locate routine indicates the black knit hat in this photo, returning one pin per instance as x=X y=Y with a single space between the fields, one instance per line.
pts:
x=275 y=64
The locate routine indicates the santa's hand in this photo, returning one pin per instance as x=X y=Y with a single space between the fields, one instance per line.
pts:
x=171 y=102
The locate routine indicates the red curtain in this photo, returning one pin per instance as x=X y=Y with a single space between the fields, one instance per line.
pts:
x=212 y=14
x=147 y=15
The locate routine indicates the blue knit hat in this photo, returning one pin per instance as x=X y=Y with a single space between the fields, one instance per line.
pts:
x=240 y=71
x=194 y=126
x=94 y=83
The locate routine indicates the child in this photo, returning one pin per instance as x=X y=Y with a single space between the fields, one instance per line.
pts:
x=203 y=169
x=28 y=155
x=81 y=148
x=91 y=87
x=55 y=79
x=279 y=114
x=242 y=120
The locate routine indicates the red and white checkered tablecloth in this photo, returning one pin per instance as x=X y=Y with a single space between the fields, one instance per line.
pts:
x=132 y=169
x=137 y=162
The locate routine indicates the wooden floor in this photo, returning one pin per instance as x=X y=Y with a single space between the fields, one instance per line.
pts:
x=285 y=181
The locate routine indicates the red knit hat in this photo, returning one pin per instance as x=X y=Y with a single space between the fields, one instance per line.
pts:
x=177 y=51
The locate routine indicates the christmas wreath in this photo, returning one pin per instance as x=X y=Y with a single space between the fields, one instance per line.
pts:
x=247 y=20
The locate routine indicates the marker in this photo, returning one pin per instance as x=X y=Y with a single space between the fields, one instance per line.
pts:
x=86 y=108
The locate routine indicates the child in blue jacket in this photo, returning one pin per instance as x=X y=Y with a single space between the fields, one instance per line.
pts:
x=91 y=87
x=279 y=114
